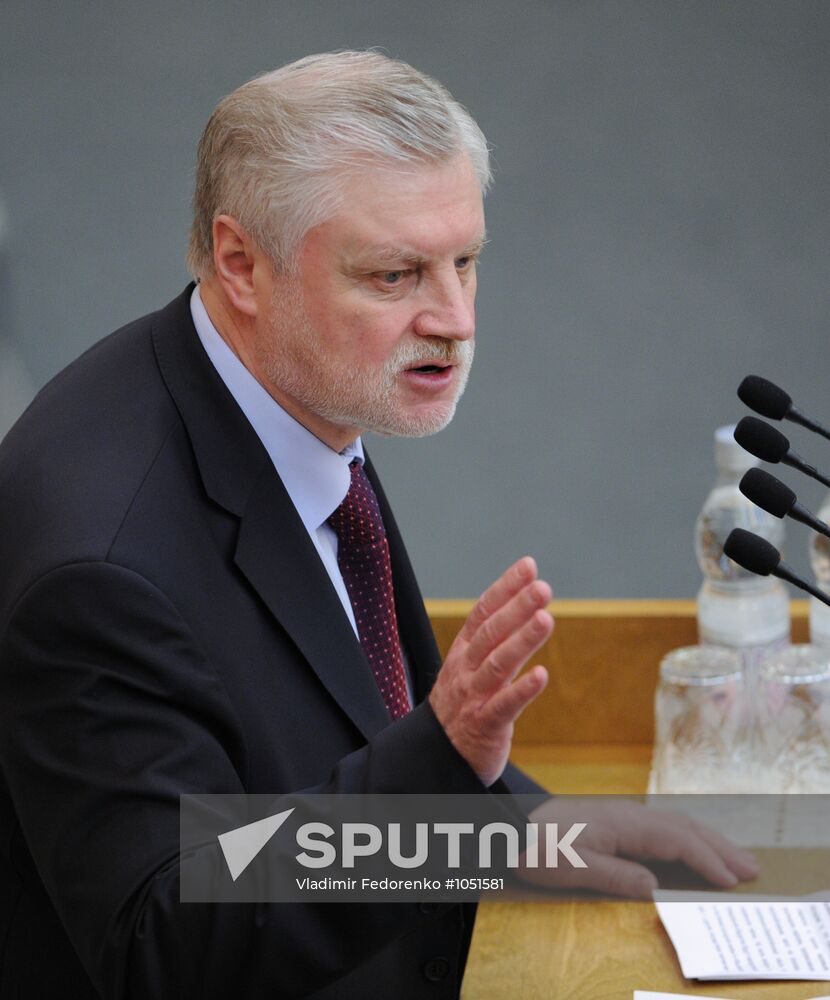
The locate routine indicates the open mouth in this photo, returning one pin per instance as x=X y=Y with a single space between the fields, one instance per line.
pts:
x=429 y=369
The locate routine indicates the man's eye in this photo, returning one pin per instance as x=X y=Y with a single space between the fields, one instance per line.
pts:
x=464 y=263
x=392 y=277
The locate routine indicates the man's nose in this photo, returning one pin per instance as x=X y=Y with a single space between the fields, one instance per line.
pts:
x=449 y=311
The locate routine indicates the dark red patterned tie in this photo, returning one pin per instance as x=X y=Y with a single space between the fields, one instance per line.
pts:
x=363 y=558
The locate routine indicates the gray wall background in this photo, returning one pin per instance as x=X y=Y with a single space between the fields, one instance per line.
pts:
x=659 y=228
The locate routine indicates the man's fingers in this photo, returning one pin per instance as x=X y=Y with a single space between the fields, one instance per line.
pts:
x=673 y=837
x=667 y=841
x=614 y=876
x=508 y=704
x=507 y=621
x=743 y=863
x=629 y=830
x=604 y=873
x=478 y=706
x=507 y=659
x=517 y=576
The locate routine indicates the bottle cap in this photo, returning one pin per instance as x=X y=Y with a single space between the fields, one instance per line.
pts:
x=729 y=455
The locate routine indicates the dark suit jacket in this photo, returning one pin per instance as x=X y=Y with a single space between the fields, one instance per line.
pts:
x=166 y=627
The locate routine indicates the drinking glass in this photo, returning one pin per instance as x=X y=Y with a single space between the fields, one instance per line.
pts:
x=794 y=720
x=702 y=722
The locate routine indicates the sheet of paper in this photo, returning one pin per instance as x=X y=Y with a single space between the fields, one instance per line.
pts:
x=745 y=937
x=649 y=995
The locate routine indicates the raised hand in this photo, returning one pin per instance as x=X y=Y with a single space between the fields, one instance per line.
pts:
x=478 y=694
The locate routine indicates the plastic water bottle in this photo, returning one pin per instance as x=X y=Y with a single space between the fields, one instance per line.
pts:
x=736 y=608
x=820 y=561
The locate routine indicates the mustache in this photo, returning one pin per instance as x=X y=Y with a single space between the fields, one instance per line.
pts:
x=455 y=352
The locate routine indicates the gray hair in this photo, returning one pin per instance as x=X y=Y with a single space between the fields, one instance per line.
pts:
x=274 y=151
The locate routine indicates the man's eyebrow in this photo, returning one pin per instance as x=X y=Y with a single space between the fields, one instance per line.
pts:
x=385 y=254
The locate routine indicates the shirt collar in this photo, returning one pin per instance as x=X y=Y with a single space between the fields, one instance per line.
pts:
x=316 y=477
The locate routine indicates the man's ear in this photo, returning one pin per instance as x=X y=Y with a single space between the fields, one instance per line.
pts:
x=234 y=261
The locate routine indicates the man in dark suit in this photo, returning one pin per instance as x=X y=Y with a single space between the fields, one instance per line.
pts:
x=185 y=605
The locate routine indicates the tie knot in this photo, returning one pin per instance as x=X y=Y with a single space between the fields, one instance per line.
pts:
x=357 y=520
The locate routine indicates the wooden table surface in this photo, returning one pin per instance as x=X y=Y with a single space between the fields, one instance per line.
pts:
x=590 y=733
x=585 y=950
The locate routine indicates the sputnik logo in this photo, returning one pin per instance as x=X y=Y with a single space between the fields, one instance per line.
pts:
x=241 y=846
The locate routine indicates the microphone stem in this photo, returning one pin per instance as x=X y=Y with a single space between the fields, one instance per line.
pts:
x=783 y=572
x=817 y=475
x=798 y=417
x=795 y=462
x=800 y=513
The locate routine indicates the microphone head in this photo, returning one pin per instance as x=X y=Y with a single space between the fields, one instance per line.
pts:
x=767 y=492
x=764 y=397
x=751 y=551
x=761 y=440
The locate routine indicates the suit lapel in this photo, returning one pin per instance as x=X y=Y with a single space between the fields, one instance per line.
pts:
x=273 y=551
x=277 y=556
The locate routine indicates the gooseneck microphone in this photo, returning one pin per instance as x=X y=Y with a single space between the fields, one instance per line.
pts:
x=758 y=556
x=773 y=496
x=770 y=445
x=772 y=401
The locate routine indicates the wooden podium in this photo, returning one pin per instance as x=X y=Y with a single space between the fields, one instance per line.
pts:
x=591 y=732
